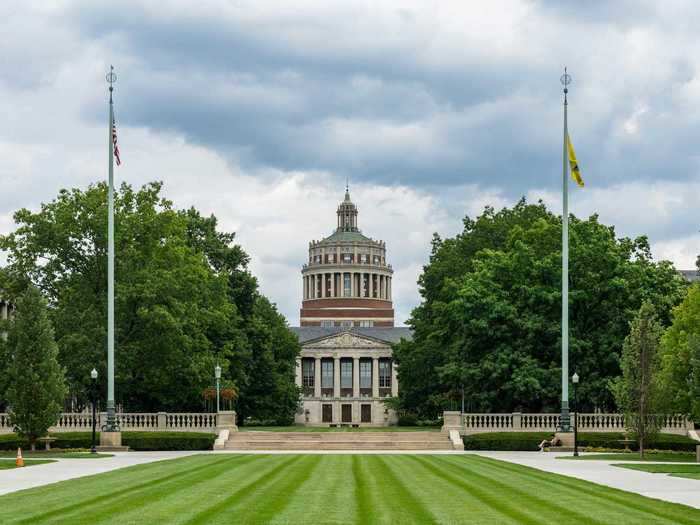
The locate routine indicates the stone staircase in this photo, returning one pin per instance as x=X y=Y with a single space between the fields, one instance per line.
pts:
x=338 y=441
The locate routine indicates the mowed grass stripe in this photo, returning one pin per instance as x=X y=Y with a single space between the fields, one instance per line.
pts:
x=325 y=497
x=119 y=508
x=554 y=508
x=245 y=491
x=275 y=498
x=457 y=505
x=484 y=492
x=617 y=502
x=386 y=496
x=363 y=493
x=108 y=495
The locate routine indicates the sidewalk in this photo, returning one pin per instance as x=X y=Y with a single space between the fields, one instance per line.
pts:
x=62 y=469
x=659 y=486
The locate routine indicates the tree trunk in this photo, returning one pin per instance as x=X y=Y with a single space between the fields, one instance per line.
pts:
x=33 y=445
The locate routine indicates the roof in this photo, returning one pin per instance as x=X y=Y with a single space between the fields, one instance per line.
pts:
x=388 y=334
x=340 y=235
x=690 y=275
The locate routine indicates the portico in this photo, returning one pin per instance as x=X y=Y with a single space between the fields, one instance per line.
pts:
x=346 y=375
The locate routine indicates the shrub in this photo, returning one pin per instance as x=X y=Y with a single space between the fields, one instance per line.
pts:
x=607 y=440
x=408 y=420
x=521 y=441
x=134 y=440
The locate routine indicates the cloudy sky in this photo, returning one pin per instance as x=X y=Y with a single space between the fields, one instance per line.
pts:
x=257 y=111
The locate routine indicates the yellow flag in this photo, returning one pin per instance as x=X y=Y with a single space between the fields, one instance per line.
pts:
x=575 y=171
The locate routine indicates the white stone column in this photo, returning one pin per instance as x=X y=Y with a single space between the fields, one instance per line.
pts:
x=394 y=380
x=317 y=377
x=297 y=374
x=336 y=377
x=356 y=377
x=332 y=284
x=375 y=377
x=352 y=284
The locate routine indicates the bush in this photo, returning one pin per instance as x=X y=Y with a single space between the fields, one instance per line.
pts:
x=609 y=440
x=168 y=440
x=408 y=420
x=520 y=441
x=134 y=440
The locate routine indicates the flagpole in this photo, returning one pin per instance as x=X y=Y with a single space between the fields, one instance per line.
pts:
x=112 y=424
x=565 y=421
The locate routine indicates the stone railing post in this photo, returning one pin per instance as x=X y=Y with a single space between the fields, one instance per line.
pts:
x=161 y=423
x=451 y=420
x=517 y=420
x=226 y=420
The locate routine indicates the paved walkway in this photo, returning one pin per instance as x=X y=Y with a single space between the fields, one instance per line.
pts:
x=12 y=480
x=659 y=486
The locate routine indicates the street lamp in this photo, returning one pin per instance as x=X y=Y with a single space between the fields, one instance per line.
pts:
x=217 y=374
x=93 y=375
x=574 y=380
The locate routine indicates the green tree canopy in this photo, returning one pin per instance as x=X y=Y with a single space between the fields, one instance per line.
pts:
x=637 y=390
x=34 y=379
x=679 y=345
x=184 y=299
x=491 y=311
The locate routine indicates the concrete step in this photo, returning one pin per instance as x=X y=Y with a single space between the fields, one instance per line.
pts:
x=338 y=441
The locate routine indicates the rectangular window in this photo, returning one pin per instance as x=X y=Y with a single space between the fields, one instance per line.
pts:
x=347 y=288
x=346 y=324
x=366 y=324
x=308 y=372
x=345 y=374
x=347 y=258
x=365 y=374
x=327 y=373
x=326 y=323
x=384 y=373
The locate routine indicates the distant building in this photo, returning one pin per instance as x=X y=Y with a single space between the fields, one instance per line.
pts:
x=690 y=275
x=346 y=370
x=347 y=281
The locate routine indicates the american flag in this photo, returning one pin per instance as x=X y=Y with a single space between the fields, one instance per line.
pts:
x=114 y=141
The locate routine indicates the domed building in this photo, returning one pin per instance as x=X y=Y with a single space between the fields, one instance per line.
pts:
x=345 y=369
x=347 y=281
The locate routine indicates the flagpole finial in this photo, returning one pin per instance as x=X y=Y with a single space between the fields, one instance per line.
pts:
x=111 y=78
x=565 y=80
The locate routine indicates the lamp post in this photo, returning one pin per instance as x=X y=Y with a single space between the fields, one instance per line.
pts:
x=574 y=380
x=217 y=374
x=93 y=375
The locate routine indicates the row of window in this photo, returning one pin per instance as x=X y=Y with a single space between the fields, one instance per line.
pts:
x=308 y=373
x=347 y=258
x=328 y=323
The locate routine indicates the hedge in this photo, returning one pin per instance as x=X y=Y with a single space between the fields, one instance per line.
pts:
x=529 y=441
x=134 y=440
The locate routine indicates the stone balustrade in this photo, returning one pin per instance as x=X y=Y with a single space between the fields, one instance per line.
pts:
x=133 y=421
x=523 y=422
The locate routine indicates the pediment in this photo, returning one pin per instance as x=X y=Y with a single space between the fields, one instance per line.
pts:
x=346 y=340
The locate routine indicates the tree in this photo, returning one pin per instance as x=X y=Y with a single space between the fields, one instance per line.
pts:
x=491 y=311
x=694 y=350
x=35 y=380
x=678 y=345
x=637 y=390
x=184 y=298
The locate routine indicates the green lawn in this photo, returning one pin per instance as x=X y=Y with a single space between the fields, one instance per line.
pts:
x=679 y=457
x=6 y=464
x=406 y=489
x=680 y=471
x=300 y=428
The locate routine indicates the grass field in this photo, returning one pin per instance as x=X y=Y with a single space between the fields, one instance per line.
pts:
x=6 y=464
x=334 y=489
x=679 y=471
x=679 y=457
